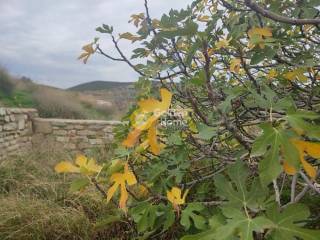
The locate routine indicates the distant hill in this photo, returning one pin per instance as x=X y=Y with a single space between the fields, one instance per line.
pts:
x=101 y=85
x=96 y=100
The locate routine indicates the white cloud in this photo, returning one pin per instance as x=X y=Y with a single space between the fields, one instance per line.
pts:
x=41 y=39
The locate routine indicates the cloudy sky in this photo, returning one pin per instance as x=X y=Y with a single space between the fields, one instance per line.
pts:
x=42 y=39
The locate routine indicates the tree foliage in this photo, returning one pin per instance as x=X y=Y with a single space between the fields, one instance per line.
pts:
x=247 y=151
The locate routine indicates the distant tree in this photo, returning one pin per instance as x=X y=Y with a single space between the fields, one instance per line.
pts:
x=6 y=84
x=26 y=79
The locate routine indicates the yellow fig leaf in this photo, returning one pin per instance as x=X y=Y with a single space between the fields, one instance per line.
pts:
x=132 y=138
x=203 y=18
x=84 y=57
x=152 y=137
x=83 y=165
x=143 y=146
x=310 y=170
x=304 y=148
x=88 y=48
x=88 y=51
x=87 y=166
x=210 y=51
x=223 y=43
x=272 y=74
x=81 y=160
x=175 y=196
x=296 y=74
x=92 y=166
x=235 y=65
x=64 y=167
x=153 y=105
x=143 y=191
x=155 y=23
x=265 y=32
x=136 y=18
x=256 y=36
x=148 y=106
x=312 y=149
x=120 y=180
x=288 y=169
x=129 y=36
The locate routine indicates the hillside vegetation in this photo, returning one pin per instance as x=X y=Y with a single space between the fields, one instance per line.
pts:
x=99 y=85
x=57 y=103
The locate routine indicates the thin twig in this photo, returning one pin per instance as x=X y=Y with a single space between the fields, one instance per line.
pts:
x=276 y=190
x=293 y=188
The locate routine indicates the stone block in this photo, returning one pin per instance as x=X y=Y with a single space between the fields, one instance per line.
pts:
x=78 y=127
x=12 y=118
x=96 y=127
x=69 y=127
x=21 y=124
x=95 y=141
x=62 y=139
x=59 y=123
x=86 y=133
x=7 y=118
x=60 y=132
x=42 y=127
x=10 y=126
x=84 y=146
x=2 y=111
x=70 y=146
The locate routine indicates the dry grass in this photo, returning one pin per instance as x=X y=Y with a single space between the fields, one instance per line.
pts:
x=35 y=203
x=40 y=219
x=57 y=103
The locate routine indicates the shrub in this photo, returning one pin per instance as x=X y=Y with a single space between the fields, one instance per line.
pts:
x=53 y=103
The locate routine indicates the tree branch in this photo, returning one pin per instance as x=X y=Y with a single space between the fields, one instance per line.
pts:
x=278 y=18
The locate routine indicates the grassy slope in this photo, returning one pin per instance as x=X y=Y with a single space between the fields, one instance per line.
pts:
x=35 y=203
x=19 y=98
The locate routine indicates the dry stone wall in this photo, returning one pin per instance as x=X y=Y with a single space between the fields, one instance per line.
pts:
x=75 y=134
x=21 y=129
x=15 y=130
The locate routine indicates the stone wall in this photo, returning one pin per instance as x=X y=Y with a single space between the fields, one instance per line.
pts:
x=21 y=129
x=76 y=135
x=15 y=130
